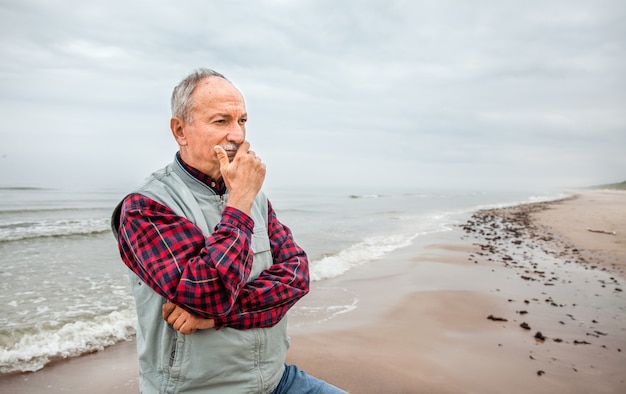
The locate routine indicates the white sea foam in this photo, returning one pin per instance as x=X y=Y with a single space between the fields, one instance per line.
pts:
x=368 y=250
x=31 y=351
x=358 y=254
x=531 y=199
x=18 y=230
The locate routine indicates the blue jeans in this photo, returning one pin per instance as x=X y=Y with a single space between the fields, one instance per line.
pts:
x=295 y=381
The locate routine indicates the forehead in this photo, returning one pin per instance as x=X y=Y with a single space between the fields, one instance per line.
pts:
x=216 y=92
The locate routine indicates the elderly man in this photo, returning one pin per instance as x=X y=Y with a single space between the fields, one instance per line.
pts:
x=207 y=254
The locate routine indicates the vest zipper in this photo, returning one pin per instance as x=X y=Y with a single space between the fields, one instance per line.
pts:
x=173 y=352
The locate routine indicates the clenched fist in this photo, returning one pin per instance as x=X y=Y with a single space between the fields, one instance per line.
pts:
x=244 y=176
x=183 y=321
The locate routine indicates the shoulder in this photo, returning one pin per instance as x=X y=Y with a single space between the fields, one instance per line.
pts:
x=136 y=203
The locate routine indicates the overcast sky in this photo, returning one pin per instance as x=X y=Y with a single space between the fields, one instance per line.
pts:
x=377 y=94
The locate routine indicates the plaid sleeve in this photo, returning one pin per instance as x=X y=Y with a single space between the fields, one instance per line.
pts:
x=264 y=301
x=172 y=256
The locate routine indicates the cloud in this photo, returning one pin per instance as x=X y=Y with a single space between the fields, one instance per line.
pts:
x=354 y=94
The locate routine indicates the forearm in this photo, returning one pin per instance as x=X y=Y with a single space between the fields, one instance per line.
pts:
x=265 y=301
x=245 y=320
x=173 y=257
x=210 y=283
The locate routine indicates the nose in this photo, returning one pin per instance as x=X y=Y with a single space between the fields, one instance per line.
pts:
x=237 y=134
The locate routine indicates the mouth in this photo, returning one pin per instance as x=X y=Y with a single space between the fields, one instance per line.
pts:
x=231 y=150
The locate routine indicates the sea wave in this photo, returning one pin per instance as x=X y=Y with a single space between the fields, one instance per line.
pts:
x=43 y=211
x=19 y=230
x=32 y=348
x=368 y=250
x=356 y=196
x=530 y=200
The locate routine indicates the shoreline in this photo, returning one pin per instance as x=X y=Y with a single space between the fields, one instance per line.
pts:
x=421 y=318
x=556 y=309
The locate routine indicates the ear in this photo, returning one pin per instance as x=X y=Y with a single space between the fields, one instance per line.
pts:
x=177 y=125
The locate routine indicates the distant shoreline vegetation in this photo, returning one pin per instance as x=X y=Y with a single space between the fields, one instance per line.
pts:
x=614 y=186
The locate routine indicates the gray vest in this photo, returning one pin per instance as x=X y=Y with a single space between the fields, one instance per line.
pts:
x=209 y=361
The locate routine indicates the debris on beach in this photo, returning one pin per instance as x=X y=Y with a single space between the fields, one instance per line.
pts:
x=602 y=231
x=509 y=237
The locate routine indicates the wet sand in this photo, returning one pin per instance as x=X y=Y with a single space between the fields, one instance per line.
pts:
x=518 y=300
x=531 y=301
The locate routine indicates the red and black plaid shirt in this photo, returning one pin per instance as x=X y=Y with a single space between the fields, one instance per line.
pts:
x=208 y=276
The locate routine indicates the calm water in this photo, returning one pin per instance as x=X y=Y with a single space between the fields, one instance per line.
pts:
x=64 y=291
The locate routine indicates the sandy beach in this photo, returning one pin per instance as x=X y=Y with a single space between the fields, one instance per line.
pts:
x=516 y=300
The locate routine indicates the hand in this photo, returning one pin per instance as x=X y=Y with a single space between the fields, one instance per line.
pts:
x=243 y=176
x=183 y=321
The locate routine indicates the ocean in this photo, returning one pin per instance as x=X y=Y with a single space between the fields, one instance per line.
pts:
x=64 y=290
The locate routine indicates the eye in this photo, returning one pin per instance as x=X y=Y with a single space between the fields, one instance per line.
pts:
x=243 y=120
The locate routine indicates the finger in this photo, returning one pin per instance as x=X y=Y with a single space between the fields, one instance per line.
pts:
x=168 y=307
x=186 y=329
x=221 y=156
x=243 y=149
x=253 y=155
x=179 y=322
x=174 y=316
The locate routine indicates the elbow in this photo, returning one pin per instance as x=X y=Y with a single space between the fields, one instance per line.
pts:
x=305 y=276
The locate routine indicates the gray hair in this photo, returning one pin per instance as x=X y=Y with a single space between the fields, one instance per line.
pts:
x=182 y=103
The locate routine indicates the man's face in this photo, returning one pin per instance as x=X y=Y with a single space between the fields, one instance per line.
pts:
x=218 y=117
